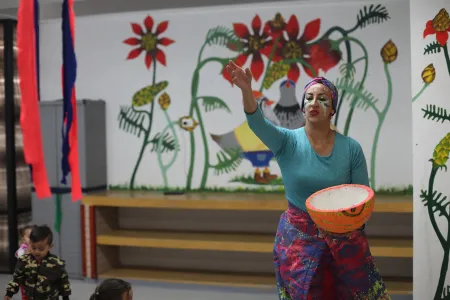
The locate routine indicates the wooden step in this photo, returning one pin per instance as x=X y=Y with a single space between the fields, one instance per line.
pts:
x=395 y=287
x=262 y=243
x=223 y=201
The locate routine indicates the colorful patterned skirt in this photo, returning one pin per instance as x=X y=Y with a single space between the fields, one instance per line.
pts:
x=313 y=265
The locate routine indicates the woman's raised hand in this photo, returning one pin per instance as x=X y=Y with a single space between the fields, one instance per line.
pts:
x=239 y=77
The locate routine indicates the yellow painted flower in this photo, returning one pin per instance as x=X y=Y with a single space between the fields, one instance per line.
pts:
x=441 y=152
x=429 y=74
x=389 y=52
x=164 y=101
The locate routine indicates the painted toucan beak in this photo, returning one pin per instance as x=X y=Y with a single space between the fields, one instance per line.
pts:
x=270 y=102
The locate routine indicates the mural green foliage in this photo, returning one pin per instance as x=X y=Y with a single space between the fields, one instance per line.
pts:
x=227 y=161
x=434 y=113
x=433 y=47
x=363 y=99
x=223 y=36
x=219 y=36
x=137 y=118
x=438 y=204
x=211 y=103
x=132 y=120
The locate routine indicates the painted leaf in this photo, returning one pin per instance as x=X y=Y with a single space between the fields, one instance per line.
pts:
x=347 y=70
x=275 y=72
x=132 y=120
x=227 y=161
x=362 y=99
x=374 y=14
x=147 y=94
x=435 y=113
x=168 y=143
x=223 y=36
x=432 y=48
x=438 y=203
x=211 y=103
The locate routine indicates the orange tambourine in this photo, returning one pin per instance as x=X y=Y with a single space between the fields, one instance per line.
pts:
x=342 y=208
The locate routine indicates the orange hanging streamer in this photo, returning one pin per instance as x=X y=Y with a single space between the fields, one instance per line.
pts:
x=30 y=121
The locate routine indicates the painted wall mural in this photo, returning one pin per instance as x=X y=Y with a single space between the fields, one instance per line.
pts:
x=176 y=123
x=287 y=51
x=432 y=196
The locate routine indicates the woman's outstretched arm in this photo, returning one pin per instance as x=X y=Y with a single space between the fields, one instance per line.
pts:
x=274 y=137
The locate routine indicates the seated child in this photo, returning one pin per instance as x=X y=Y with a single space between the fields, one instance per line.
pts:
x=24 y=241
x=113 y=289
x=42 y=274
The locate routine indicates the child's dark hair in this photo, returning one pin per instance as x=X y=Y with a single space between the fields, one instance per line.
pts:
x=41 y=233
x=111 y=289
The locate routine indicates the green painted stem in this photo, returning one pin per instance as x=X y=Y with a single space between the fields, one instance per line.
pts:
x=206 y=164
x=447 y=58
x=381 y=118
x=420 y=92
x=165 y=168
x=146 y=135
x=359 y=59
x=366 y=68
x=194 y=95
x=444 y=243
x=302 y=62
x=272 y=53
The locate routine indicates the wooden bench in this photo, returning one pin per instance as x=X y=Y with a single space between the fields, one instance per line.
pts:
x=104 y=238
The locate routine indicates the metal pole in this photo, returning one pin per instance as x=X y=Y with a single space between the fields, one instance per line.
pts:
x=9 y=26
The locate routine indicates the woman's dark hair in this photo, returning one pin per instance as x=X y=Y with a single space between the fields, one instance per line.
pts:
x=111 y=289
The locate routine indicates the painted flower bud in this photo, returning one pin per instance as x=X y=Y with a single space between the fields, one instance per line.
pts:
x=164 y=101
x=441 y=152
x=429 y=74
x=389 y=52
x=442 y=20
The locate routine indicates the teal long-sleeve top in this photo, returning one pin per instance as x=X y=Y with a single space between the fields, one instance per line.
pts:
x=304 y=172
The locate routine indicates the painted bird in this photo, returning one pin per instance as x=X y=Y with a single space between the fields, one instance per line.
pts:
x=253 y=149
x=187 y=123
x=288 y=109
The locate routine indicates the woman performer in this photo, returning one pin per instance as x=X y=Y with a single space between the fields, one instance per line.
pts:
x=311 y=263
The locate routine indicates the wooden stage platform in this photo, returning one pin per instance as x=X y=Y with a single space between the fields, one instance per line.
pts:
x=217 y=239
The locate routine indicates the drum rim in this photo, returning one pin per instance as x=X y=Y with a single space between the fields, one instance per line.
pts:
x=370 y=196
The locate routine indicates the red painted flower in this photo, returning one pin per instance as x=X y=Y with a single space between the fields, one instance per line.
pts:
x=253 y=44
x=149 y=41
x=440 y=26
x=319 y=55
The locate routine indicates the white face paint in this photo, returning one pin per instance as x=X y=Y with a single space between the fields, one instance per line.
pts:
x=318 y=94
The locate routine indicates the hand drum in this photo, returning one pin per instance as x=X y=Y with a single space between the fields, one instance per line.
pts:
x=341 y=209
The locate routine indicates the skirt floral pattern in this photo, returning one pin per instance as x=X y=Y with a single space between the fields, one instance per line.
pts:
x=312 y=265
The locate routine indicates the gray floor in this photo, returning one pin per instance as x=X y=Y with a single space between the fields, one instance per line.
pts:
x=145 y=291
